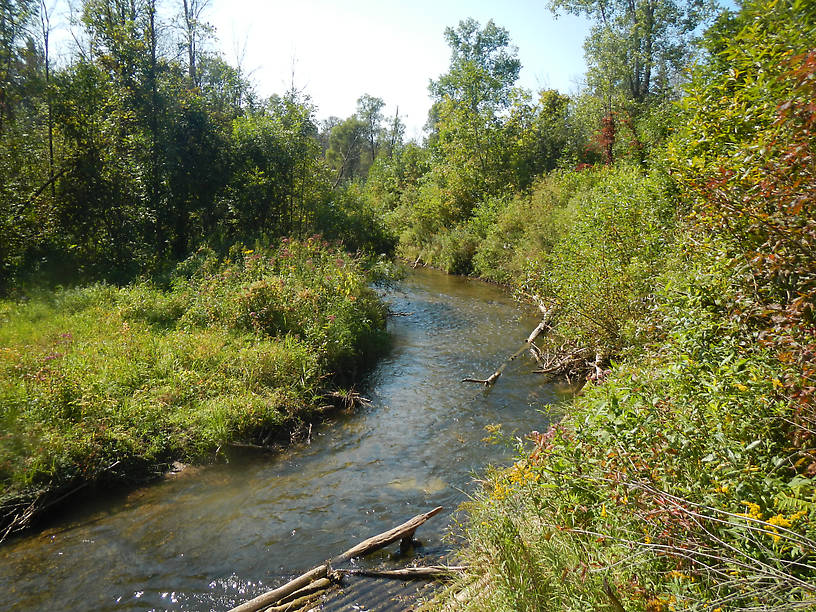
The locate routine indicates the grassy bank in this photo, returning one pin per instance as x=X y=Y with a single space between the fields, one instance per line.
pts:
x=112 y=384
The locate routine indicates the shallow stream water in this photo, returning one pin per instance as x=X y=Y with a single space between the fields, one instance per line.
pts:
x=212 y=537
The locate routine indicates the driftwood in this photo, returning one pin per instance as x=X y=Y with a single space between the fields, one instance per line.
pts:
x=296 y=604
x=491 y=380
x=402 y=532
x=429 y=572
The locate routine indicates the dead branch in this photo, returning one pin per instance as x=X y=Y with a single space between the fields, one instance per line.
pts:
x=401 y=532
x=491 y=380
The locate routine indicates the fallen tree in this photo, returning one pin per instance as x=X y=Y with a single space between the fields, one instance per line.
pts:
x=320 y=577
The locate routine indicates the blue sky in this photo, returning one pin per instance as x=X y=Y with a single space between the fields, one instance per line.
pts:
x=345 y=48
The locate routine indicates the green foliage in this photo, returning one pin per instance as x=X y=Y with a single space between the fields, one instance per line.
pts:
x=467 y=132
x=685 y=479
x=125 y=159
x=748 y=169
x=527 y=227
x=142 y=375
x=637 y=49
x=600 y=274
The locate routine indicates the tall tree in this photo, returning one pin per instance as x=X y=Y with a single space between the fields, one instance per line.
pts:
x=194 y=32
x=14 y=18
x=346 y=143
x=45 y=27
x=369 y=111
x=637 y=47
x=470 y=100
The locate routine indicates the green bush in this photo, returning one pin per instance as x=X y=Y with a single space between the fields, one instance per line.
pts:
x=601 y=273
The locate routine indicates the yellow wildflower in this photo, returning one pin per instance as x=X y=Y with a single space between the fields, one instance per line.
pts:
x=780 y=521
x=753 y=511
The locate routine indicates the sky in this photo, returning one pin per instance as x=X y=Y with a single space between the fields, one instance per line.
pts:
x=339 y=50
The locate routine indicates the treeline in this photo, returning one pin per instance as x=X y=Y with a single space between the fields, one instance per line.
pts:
x=145 y=144
x=525 y=190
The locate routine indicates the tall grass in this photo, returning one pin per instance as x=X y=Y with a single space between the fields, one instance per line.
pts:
x=114 y=383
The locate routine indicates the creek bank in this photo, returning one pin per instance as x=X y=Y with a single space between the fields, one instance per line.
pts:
x=105 y=386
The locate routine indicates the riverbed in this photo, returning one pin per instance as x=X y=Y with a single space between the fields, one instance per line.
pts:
x=211 y=537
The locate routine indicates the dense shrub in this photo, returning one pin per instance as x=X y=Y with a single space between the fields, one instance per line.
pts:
x=599 y=275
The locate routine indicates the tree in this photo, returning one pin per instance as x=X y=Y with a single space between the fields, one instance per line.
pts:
x=484 y=67
x=194 y=32
x=466 y=118
x=637 y=48
x=346 y=143
x=369 y=112
x=14 y=37
x=395 y=134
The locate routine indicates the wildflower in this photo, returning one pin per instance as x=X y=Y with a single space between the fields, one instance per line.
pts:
x=779 y=520
x=753 y=511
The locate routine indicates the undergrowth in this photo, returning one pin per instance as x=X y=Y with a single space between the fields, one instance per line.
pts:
x=683 y=477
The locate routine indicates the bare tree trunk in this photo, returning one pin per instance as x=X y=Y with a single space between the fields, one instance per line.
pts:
x=45 y=22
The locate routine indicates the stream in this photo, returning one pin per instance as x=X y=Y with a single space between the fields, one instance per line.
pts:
x=212 y=537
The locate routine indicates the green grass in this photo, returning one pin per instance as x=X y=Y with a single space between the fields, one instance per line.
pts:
x=232 y=350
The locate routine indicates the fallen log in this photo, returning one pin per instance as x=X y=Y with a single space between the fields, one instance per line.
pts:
x=295 y=604
x=401 y=532
x=491 y=380
x=429 y=572
x=311 y=589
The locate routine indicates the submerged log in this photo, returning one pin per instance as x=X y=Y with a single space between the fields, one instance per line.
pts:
x=404 y=531
x=491 y=380
x=308 y=591
x=295 y=604
x=429 y=572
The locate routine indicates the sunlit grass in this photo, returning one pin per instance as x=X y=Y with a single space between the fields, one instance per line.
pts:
x=115 y=383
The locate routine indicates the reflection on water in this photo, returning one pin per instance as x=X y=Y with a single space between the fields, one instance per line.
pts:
x=219 y=535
